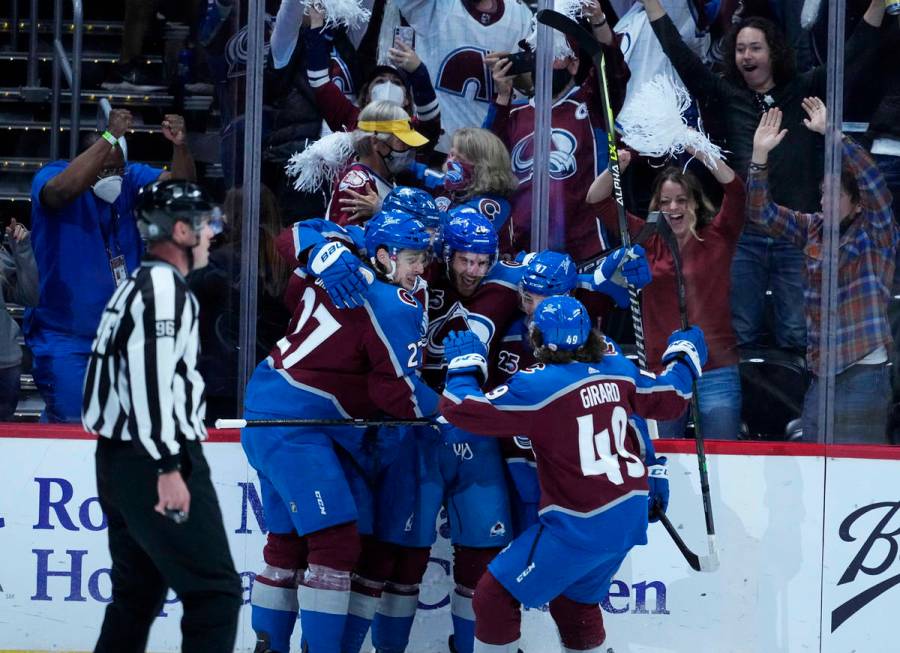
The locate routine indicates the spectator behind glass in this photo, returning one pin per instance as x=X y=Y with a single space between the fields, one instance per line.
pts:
x=385 y=146
x=217 y=287
x=405 y=82
x=760 y=74
x=86 y=242
x=579 y=145
x=706 y=241
x=485 y=180
x=452 y=38
x=866 y=259
x=19 y=273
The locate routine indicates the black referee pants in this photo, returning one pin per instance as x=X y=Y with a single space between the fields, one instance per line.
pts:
x=151 y=553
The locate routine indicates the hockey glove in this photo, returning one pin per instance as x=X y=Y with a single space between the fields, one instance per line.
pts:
x=658 y=480
x=688 y=346
x=340 y=271
x=464 y=353
x=622 y=268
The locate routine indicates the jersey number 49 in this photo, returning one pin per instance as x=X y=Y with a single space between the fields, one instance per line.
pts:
x=602 y=453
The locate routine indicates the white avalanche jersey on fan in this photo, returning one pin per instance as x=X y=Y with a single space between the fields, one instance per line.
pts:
x=452 y=43
x=643 y=53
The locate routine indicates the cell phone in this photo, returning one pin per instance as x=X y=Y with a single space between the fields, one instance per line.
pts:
x=406 y=35
x=522 y=62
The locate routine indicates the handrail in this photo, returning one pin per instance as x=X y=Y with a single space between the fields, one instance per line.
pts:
x=73 y=77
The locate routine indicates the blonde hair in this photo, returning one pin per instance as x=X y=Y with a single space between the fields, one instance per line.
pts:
x=375 y=111
x=490 y=159
x=703 y=208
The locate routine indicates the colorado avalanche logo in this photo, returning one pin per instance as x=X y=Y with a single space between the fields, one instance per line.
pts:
x=463 y=73
x=489 y=208
x=406 y=298
x=480 y=325
x=442 y=203
x=562 y=156
x=353 y=179
x=340 y=74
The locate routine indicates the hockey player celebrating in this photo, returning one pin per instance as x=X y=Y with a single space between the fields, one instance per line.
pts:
x=550 y=273
x=331 y=364
x=575 y=406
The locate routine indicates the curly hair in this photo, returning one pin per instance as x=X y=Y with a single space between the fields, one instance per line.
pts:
x=590 y=352
x=703 y=207
x=487 y=153
x=784 y=67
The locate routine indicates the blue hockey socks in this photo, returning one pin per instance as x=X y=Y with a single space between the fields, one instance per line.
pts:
x=394 y=618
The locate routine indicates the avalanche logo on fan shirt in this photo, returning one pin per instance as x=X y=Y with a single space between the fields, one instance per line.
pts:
x=562 y=156
x=339 y=73
x=463 y=73
x=354 y=179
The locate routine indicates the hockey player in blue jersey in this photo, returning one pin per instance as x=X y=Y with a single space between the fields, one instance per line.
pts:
x=468 y=289
x=576 y=406
x=416 y=202
x=550 y=273
x=331 y=364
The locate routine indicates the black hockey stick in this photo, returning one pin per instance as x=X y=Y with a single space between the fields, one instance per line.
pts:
x=692 y=558
x=711 y=562
x=589 y=44
x=355 y=423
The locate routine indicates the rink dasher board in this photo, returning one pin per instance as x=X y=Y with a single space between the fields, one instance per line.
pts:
x=803 y=567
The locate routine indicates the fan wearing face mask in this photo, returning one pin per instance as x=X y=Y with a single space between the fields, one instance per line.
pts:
x=405 y=82
x=86 y=243
x=385 y=145
x=578 y=141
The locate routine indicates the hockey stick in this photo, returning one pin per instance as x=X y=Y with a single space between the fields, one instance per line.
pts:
x=695 y=562
x=710 y=562
x=589 y=44
x=355 y=423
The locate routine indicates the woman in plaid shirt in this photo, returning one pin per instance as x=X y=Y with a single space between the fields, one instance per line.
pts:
x=868 y=244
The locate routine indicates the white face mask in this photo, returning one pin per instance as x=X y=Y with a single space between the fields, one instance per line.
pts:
x=109 y=188
x=388 y=91
x=398 y=162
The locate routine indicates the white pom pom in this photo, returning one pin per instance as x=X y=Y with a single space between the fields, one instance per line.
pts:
x=810 y=13
x=349 y=13
x=561 y=49
x=654 y=124
x=320 y=162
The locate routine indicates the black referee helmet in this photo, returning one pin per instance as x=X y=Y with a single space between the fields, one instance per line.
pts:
x=160 y=204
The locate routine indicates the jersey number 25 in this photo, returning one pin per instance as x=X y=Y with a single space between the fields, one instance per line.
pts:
x=600 y=452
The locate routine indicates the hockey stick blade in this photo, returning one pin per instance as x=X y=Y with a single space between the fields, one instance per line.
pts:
x=706 y=563
x=562 y=23
x=355 y=423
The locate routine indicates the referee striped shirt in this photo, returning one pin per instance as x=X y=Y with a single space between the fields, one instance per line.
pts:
x=142 y=382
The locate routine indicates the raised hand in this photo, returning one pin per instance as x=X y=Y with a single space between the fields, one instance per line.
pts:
x=119 y=122
x=173 y=128
x=768 y=135
x=403 y=56
x=817 y=113
x=503 y=81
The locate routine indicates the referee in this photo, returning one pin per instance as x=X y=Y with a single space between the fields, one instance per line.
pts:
x=144 y=397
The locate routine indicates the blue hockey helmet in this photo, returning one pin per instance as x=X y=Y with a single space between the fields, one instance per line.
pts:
x=550 y=273
x=395 y=230
x=563 y=321
x=465 y=229
x=414 y=201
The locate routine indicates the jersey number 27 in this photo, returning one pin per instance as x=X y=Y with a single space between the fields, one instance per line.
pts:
x=600 y=452
x=326 y=327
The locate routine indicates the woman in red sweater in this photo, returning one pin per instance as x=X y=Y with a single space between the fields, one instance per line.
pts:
x=706 y=241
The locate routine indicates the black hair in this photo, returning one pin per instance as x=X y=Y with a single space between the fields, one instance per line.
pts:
x=784 y=67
